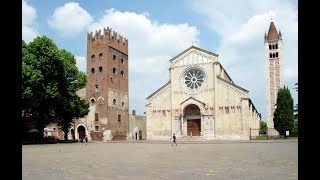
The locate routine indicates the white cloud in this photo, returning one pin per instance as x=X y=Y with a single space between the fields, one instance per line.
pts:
x=29 y=15
x=70 y=19
x=151 y=46
x=81 y=63
x=241 y=26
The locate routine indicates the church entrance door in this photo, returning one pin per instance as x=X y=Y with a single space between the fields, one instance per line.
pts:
x=193 y=127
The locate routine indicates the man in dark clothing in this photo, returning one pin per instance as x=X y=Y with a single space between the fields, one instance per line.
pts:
x=174 y=139
x=86 y=139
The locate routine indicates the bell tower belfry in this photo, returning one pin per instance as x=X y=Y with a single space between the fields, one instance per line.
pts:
x=274 y=69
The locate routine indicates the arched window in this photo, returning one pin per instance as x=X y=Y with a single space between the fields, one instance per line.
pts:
x=269 y=46
x=92 y=58
x=93 y=101
x=100 y=56
x=114 y=102
x=122 y=61
x=122 y=73
x=114 y=70
x=100 y=69
x=92 y=70
x=97 y=88
x=114 y=57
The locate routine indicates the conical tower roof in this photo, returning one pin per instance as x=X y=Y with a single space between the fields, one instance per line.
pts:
x=272 y=33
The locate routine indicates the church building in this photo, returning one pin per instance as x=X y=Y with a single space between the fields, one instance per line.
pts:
x=200 y=99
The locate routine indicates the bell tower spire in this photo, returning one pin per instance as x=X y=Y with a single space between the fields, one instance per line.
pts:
x=274 y=69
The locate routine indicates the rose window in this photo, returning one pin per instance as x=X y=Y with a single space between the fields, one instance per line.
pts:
x=193 y=79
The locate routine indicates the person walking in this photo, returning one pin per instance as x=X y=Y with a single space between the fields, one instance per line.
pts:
x=86 y=139
x=174 y=140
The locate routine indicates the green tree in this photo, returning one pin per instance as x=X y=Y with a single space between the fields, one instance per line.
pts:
x=71 y=105
x=295 y=126
x=50 y=80
x=263 y=127
x=283 y=115
x=296 y=106
x=41 y=79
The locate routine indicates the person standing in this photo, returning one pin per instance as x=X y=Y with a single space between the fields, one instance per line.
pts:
x=174 y=139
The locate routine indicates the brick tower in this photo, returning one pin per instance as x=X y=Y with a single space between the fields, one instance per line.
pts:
x=274 y=75
x=107 y=86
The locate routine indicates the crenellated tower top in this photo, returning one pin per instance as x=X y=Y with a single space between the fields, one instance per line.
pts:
x=109 y=38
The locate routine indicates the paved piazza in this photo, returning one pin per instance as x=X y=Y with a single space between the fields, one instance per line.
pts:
x=222 y=160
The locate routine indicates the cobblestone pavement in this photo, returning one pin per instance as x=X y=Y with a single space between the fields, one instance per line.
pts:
x=222 y=160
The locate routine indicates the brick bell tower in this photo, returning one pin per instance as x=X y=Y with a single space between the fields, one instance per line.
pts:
x=107 y=86
x=274 y=69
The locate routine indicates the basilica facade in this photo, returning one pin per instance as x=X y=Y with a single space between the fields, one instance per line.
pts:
x=200 y=99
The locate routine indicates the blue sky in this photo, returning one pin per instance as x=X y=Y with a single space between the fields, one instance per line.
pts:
x=159 y=30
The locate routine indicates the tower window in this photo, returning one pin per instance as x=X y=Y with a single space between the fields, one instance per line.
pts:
x=114 y=102
x=96 y=116
x=100 y=56
x=92 y=70
x=119 y=118
x=92 y=57
x=122 y=73
x=96 y=128
x=114 y=57
x=97 y=88
x=93 y=101
x=270 y=55
x=276 y=46
x=122 y=62
x=273 y=55
x=276 y=54
x=122 y=103
x=269 y=46
x=100 y=69
x=273 y=46
x=114 y=70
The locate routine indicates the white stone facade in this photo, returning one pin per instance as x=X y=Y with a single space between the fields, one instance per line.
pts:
x=200 y=99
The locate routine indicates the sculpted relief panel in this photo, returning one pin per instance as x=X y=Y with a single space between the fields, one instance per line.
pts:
x=208 y=126
x=177 y=125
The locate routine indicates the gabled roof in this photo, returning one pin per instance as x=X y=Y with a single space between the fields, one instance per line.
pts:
x=193 y=99
x=232 y=84
x=194 y=47
x=159 y=89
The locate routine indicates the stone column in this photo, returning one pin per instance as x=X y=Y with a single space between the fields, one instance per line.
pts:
x=182 y=125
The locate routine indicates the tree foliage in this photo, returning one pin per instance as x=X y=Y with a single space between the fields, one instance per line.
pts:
x=50 y=80
x=296 y=106
x=283 y=115
x=263 y=127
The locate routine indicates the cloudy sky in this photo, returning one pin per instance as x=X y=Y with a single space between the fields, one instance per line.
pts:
x=160 y=30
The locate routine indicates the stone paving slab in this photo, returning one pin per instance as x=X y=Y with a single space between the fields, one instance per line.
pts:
x=150 y=160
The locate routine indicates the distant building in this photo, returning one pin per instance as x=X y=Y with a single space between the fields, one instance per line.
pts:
x=137 y=126
x=200 y=99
